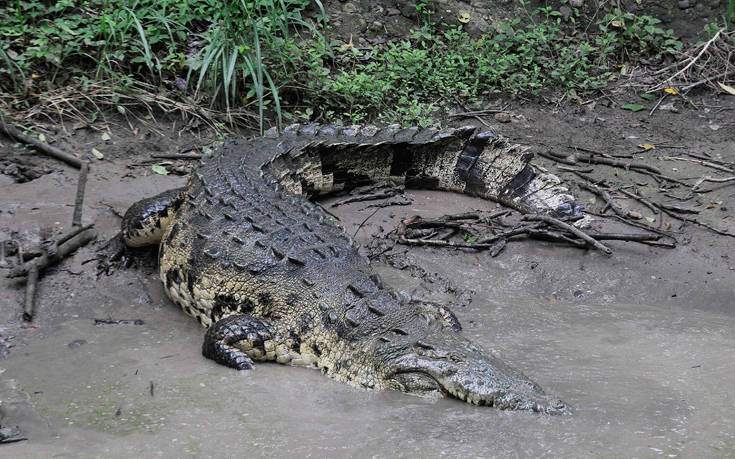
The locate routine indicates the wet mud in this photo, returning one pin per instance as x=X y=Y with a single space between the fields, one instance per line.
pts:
x=641 y=345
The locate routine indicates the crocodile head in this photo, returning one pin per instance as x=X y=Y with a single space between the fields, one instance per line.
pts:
x=445 y=363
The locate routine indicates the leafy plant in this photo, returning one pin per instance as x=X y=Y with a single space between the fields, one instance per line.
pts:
x=227 y=45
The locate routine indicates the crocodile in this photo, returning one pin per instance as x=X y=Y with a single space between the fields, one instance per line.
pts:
x=245 y=250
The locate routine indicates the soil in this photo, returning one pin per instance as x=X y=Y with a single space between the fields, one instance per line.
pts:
x=640 y=344
x=378 y=20
x=655 y=323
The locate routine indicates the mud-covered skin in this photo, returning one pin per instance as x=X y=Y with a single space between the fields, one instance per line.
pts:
x=245 y=252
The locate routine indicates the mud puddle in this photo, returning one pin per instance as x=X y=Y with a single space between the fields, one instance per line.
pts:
x=643 y=382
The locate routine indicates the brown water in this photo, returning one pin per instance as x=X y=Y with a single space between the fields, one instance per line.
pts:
x=647 y=373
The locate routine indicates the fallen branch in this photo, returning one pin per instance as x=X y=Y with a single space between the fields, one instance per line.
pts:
x=594 y=189
x=79 y=200
x=179 y=156
x=589 y=159
x=43 y=147
x=577 y=232
x=510 y=233
x=367 y=197
x=554 y=236
x=693 y=60
x=442 y=243
x=695 y=187
x=29 y=304
x=640 y=199
x=47 y=259
x=699 y=161
x=625 y=237
x=708 y=80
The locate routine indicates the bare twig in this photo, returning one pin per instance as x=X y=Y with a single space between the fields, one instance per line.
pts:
x=43 y=147
x=577 y=232
x=178 y=156
x=29 y=304
x=588 y=159
x=368 y=197
x=708 y=80
x=61 y=252
x=442 y=243
x=694 y=59
x=702 y=162
x=79 y=200
x=707 y=178
x=604 y=195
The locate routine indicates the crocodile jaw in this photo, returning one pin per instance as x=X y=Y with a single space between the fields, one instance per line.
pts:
x=469 y=374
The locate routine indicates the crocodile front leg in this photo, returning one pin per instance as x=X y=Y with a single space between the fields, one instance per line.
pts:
x=237 y=339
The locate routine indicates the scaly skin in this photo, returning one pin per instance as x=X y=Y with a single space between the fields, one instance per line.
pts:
x=244 y=251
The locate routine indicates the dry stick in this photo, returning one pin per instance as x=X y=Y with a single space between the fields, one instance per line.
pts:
x=594 y=189
x=657 y=104
x=368 y=197
x=693 y=60
x=699 y=161
x=506 y=234
x=498 y=247
x=62 y=252
x=29 y=305
x=711 y=179
x=709 y=227
x=71 y=233
x=181 y=156
x=640 y=199
x=708 y=80
x=707 y=178
x=625 y=237
x=580 y=234
x=575 y=170
x=588 y=159
x=41 y=146
x=677 y=209
x=476 y=113
x=445 y=221
x=76 y=220
x=712 y=160
x=555 y=236
x=441 y=243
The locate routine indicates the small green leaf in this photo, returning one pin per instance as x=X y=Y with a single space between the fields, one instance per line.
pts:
x=105 y=136
x=159 y=169
x=121 y=109
x=97 y=154
x=632 y=107
x=650 y=219
x=41 y=137
x=648 y=96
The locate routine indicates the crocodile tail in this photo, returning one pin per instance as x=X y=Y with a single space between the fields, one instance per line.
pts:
x=317 y=160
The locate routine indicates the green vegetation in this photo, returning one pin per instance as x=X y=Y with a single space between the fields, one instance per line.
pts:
x=259 y=54
x=440 y=65
x=222 y=50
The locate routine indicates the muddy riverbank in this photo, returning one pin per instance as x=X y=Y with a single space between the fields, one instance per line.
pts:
x=640 y=344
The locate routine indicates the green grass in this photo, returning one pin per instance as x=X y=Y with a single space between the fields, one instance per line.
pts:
x=265 y=54
x=221 y=51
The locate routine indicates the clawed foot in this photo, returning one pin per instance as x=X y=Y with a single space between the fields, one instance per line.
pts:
x=232 y=339
x=115 y=254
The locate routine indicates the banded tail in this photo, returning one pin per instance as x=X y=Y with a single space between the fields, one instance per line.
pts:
x=318 y=160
